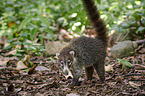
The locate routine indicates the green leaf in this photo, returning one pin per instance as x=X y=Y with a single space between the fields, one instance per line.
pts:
x=50 y=36
x=141 y=28
x=17 y=43
x=8 y=47
x=124 y=62
x=41 y=38
x=11 y=40
x=33 y=33
x=43 y=20
x=52 y=28
x=125 y=25
x=24 y=22
x=99 y=1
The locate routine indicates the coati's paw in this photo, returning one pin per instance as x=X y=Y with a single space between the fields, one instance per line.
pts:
x=101 y=82
x=71 y=86
x=89 y=79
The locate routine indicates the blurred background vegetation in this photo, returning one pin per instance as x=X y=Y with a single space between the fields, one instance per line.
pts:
x=34 y=22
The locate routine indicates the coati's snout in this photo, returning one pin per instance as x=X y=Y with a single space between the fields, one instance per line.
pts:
x=66 y=62
x=66 y=68
x=66 y=72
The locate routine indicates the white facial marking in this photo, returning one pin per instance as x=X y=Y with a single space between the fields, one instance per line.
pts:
x=61 y=62
x=69 y=62
x=57 y=54
x=72 y=52
x=68 y=70
x=74 y=60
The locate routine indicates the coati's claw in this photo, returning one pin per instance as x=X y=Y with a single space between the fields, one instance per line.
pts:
x=101 y=82
x=72 y=85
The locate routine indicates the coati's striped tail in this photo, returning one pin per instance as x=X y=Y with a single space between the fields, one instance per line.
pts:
x=94 y=17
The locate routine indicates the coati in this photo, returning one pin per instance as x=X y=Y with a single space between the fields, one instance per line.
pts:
x=85 y=51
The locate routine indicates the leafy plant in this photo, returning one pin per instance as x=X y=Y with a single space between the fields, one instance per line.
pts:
x=124 y=63
x=27 y=20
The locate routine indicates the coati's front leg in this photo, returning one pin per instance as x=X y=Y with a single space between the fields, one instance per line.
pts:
x=99 y=67
x=77 y=70
x=74 y=81
x=89 y=72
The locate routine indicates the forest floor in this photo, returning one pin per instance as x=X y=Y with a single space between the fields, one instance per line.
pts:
x=47 y=79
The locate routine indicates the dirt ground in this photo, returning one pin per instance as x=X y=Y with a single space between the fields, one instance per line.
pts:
x=47 y=80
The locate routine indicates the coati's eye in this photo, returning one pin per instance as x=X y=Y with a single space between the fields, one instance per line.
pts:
x=61 y=62
x=69 y=62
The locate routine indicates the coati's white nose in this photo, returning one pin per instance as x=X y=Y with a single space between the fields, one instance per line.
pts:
x=67 y=72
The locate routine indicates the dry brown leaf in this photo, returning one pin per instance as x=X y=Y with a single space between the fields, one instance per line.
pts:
x=108 y=68
x=42 y=68
x=13 y=52
x=3 y=62
x=21 y=65
x=134 y=84
x=72 y=94
x=6 y=44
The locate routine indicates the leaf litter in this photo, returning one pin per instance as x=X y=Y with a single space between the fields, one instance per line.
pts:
x=45 y=77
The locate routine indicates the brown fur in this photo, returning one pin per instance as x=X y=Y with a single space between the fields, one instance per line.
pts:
x=97 y=22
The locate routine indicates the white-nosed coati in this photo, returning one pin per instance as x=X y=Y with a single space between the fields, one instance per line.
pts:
x=85 y=51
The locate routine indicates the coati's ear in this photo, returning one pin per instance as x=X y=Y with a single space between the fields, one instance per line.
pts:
x=72 y=53
x=57 y=54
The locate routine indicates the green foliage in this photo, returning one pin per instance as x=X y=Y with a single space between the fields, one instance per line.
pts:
x=43 y=20
x=124 y=63
x=24 y=22
x=8 y=47
x=119 y=15
x=28 y=20
x=129 y=16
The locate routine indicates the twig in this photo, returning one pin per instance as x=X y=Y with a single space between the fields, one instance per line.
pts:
x=134 y=74
x=138 y=65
